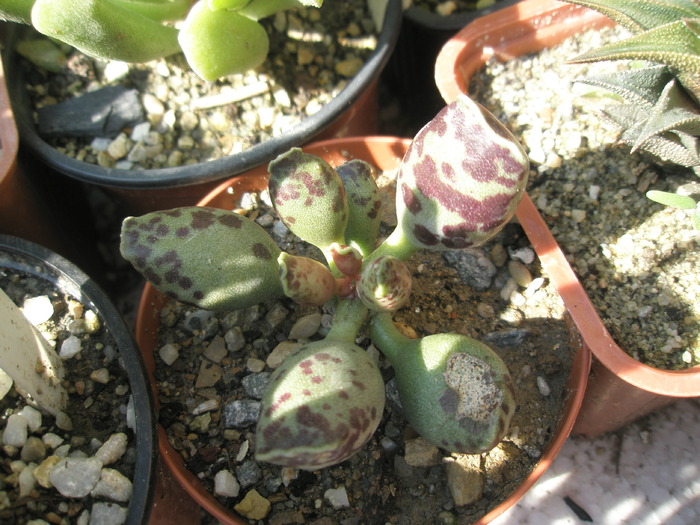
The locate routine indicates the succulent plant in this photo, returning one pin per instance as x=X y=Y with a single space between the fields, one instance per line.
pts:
x=218 y=37
x=660 y=114
x=326 y=400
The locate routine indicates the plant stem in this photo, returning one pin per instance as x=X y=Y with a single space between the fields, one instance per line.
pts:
x=396 y=245
x=387 y=337
x=349 y=316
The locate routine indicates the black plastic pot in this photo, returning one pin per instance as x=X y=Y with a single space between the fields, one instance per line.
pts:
x=144 y=191
x=33 y=259
x=410 y=73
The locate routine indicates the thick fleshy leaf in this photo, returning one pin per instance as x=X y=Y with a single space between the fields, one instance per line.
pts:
x=642 y=14
x=454 y=390
x=103 y=29
x=309 y=197
x=306 y=281
x=683 y=202
x=460 y=180
x=258 y=9
x=322 y=405
x=385 y=284
x=364 y=202
x=212 y=258
x=159 y=10
x=220 y=43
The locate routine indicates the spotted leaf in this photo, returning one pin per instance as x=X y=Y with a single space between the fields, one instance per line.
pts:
x=215 y=259
x=321 y=406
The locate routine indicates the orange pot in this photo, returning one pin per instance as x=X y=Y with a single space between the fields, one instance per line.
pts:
x=385 y=153
x=620 y=388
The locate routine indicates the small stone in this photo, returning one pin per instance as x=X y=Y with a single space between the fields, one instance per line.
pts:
x=103 y=513
x=349 y=67
x=525 y=255
x=241 y=413
x=255 y=365
x=420 y=453
x=113 y=485
x=209 y=374
x=255 y=384
x=52 y=440
x=305 y=326
x=254 y=506
x=70 y=348
x=216 y=351
x=474 y=267
x=543 y=386
x=75 y=477
x=248 y=473
x=226 y=484
x=115 y=70
x=280 y=352
x=201 y=423
x=63 y=421
x=33 y=450
x=119 y=147
x=37 y=309
x=520 y=274
x=100 y=376
x=578 y=215
x=465 y=479
x=26 y=480
x=338 y=497
x=112 y=449
x=169 y=353
x=235 y=340
x=42 y=471
x=15 y=433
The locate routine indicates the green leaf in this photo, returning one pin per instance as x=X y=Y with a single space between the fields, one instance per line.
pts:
x=16 y=11
x=696 y=220
x=642 y=14
x=638 y=86
x=158 y=10
x=683 y=202
x=104 y=29
x=220 y=43
x=673 y=111
x=212 y=258
x=673 y=44
x=258 y=9
x=364 y=202
x=215 y=5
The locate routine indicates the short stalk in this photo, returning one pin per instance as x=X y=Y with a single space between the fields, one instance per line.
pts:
x=396 y=245
x=387 y=337
x=349 y=316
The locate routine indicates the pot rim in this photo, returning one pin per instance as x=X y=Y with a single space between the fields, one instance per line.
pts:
x=529 y=26
x=215 y=169
x=336 y=150
x=67 y=277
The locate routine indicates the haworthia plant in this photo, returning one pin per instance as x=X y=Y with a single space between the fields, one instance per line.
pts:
x=322 y=405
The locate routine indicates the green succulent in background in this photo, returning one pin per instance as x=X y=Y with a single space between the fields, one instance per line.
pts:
x=217 y=37
x=660 y=113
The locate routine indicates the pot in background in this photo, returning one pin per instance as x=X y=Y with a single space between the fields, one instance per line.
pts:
x=385 y=153
x=20 y=255
x=620 y=388
x=352 y=112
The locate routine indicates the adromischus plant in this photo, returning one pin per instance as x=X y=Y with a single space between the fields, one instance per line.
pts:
x=217 y=37
x=457 y=186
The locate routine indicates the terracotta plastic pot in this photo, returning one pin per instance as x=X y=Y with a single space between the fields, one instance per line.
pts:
x=352 y=112
x=45 y=265
x=620 y=388
x=385 y=153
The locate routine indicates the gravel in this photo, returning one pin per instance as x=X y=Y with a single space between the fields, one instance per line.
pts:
x=636 y=259
x=77 y=467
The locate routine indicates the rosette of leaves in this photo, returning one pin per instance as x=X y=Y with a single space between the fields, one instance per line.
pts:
x=217 y=37
x=660 y=113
